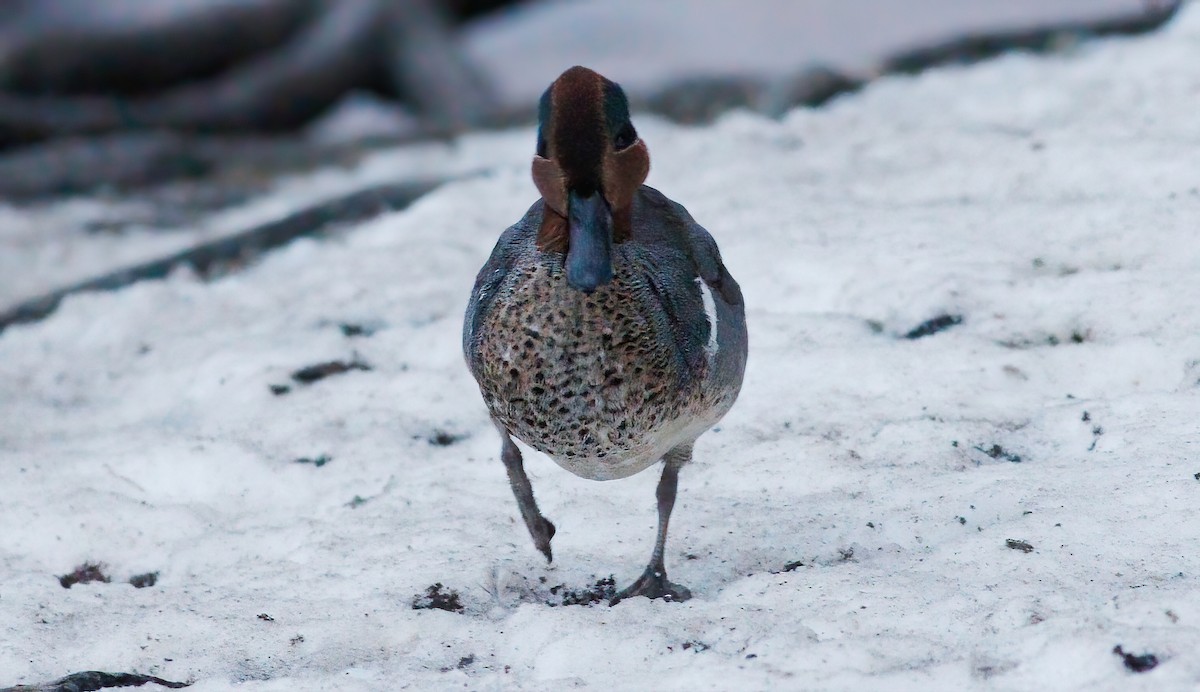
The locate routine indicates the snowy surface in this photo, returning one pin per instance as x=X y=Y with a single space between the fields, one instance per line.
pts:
x=646 y=45
x=49 y=246
x=1047 y=201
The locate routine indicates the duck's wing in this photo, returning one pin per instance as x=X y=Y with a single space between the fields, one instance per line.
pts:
x=707 y=260
x=512 y=243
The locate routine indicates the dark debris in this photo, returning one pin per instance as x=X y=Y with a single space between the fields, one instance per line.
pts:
x=92 y=680
x=602 y=590
x=84 y=574
x=350 y=329
x=1076 y=337
x=1136 y=663
x=142 y=581
x=998 y=452
x=463 y=663
x=934 y=325
x=317 y=461
x=320 y=371
x=437 y=598
x=1016 y=544
x=442 y=438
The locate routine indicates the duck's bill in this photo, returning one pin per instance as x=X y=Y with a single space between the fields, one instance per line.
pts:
x=589 y=253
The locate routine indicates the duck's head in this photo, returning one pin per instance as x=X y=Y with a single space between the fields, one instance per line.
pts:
x=589 y=164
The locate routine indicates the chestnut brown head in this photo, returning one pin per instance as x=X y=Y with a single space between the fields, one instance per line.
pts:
x=589 y=164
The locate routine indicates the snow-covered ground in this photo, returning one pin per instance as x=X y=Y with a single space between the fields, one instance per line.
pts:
x=651 y=44
x=48 y=246
x=647 y=46
x=846 y=527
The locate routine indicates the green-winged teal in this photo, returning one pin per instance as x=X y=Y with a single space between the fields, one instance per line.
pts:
x=604 y=330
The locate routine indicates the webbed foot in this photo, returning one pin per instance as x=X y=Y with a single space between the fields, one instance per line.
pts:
x=542 y=531
x=653 y=584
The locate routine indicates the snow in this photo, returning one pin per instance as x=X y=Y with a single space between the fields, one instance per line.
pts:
x=647 y=45
x=47 y=246
x=1047 y=201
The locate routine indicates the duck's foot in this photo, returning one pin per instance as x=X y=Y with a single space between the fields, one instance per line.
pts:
x=540 y=528
x=542 y=531
x=653 y=584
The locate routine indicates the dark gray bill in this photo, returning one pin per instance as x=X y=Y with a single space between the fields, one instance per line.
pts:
x=589 y=253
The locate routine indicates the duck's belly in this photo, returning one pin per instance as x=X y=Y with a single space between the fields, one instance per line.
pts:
x=591 y=381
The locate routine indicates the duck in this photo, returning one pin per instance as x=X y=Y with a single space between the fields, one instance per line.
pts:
x=604 y=330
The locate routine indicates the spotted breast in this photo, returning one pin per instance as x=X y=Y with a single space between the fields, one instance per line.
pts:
x=604 y=383
x=604 y=330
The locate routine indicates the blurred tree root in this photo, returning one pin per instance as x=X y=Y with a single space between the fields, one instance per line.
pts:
x=233 y=252
x=92 y=680
x=126 y=162
x=231 y=121
x=701 y=99
x=249 y=66
x=422 y=61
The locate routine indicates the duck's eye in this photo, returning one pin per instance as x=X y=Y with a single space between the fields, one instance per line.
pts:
x=625 y=137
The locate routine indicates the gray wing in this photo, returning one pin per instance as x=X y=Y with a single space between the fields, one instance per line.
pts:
x=511 y=243
x=662 y=221
x=684 y=252
x=732 y=342
x=707 y=260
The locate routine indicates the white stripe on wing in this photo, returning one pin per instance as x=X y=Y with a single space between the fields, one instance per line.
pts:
x=710 y=309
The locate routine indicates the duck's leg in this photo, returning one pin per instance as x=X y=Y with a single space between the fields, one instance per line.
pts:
x=653 y=583
x=540 y=527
